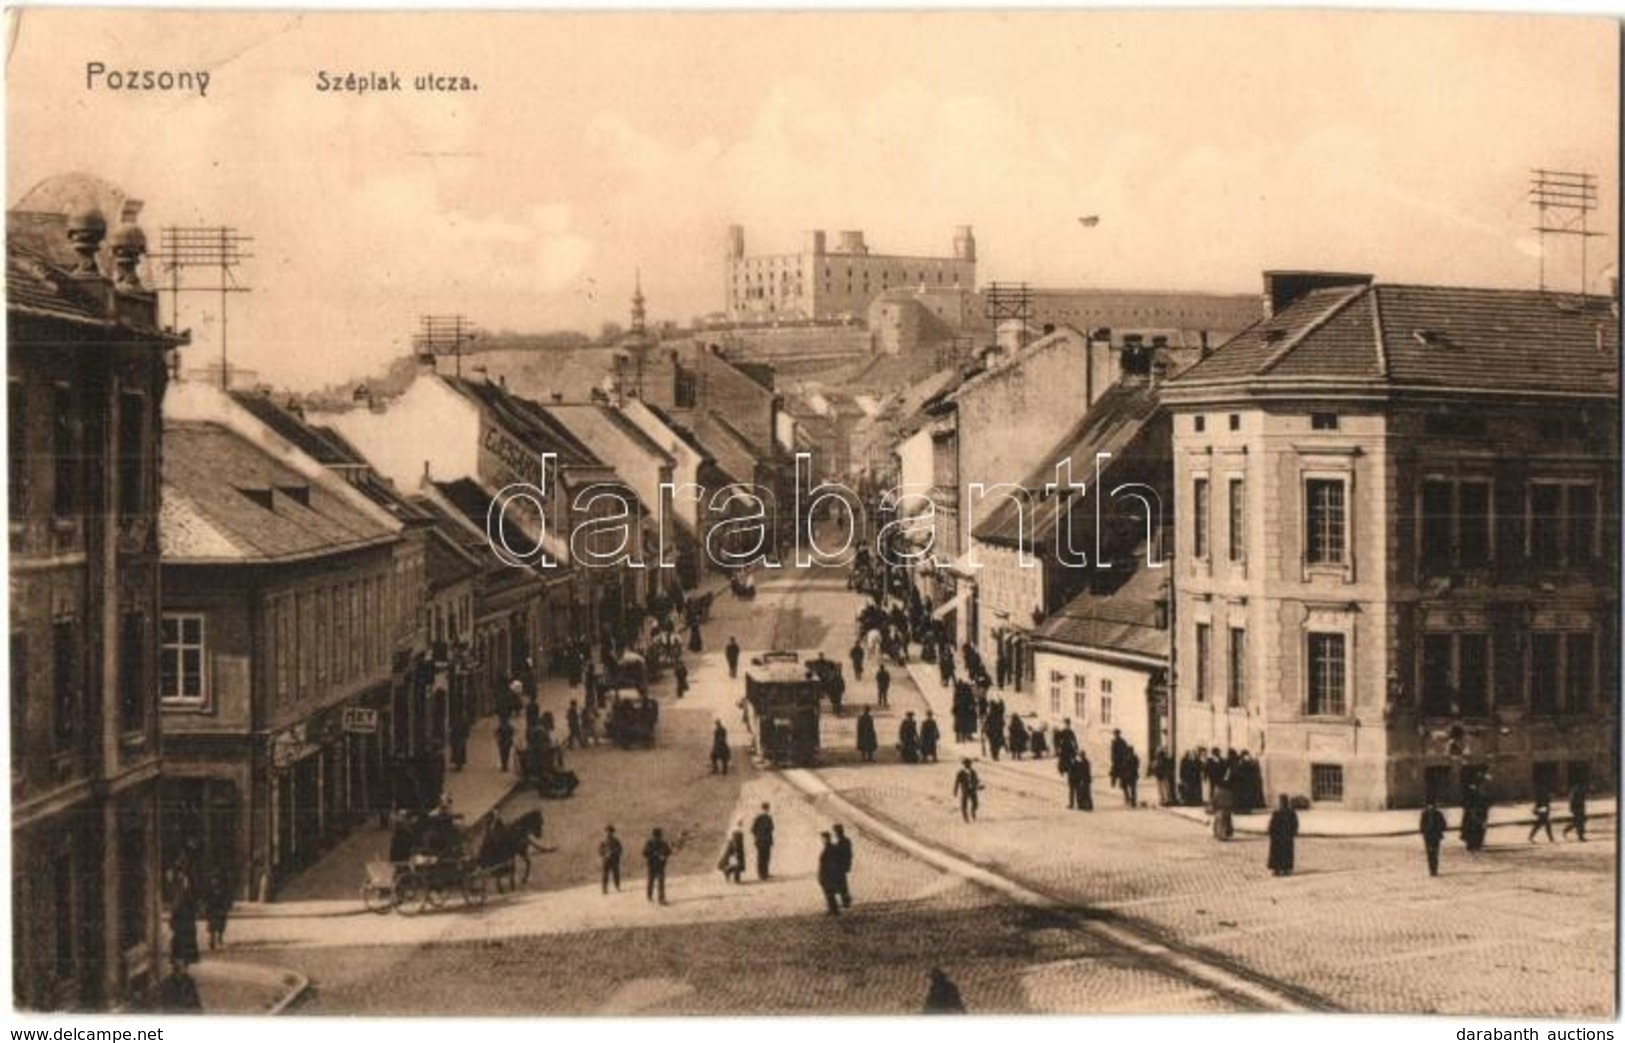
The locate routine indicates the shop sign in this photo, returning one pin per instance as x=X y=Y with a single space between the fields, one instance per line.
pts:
x=358 y=720
x=290 y=746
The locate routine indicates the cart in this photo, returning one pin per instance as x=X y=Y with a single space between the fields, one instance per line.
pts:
x=425 y=882
x=784 y=694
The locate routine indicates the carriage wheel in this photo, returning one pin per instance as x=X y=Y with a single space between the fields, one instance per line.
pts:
x=436 y=896
x=474 y=890
x=378 y=899
x=411 y=896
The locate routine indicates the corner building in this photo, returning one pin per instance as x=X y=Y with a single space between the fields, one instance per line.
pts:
x=1396 y=562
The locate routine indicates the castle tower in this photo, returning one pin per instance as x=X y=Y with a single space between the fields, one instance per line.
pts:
x=638 y=314
x=964 y=243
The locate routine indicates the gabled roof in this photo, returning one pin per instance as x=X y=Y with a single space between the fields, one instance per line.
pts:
x=225 y=500
x=455 y=552
x=527 y=421
x=1124 y=620
x=593 y=422
x=1116 y=420
x=329 y=448
x=731 y=451
x=1426 y=337
x=472 y=501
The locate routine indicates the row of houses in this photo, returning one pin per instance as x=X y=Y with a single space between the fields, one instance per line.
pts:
x=240 y=626
x=1371 y=538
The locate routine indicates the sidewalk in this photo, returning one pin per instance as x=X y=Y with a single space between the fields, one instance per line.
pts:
x=331 y=886
x=1316 y=822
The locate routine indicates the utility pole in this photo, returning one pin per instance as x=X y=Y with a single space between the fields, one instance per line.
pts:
x=219 y=247
x=443 y=335
x=1563 y=202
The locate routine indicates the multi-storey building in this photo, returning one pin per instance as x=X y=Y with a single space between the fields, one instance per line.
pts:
x=1397 y=556
x=86 y=371
x=822 y=284
x=283 y=610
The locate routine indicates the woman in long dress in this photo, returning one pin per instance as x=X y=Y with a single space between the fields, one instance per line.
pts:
x=1283 y=838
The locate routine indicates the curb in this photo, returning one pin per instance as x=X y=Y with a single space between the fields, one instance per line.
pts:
x=1197 y=818
x=301 y=985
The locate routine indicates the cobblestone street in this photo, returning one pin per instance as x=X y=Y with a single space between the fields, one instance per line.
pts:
x=1518 y=929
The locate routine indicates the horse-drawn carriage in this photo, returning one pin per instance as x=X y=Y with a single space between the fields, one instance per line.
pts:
x=632 y=722
x=439 y=867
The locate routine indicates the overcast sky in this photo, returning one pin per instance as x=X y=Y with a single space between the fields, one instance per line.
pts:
x=1211 y=145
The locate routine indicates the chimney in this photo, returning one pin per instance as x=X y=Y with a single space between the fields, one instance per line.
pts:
x=736 y=242
x=1207 y=348
x=1281 y=288
x=815 y=243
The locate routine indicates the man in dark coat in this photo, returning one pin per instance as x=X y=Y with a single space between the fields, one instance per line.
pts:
x=1283 y=838
x=1129 y=778
x=656 y=853
x=572 y=725
x=856 y=656
x=720 y=752
x=908 y=739
x=967 y=786
x=1162 y=769
x=1475 y=818
x=843 y=845
x=1215 y=774
x=1119 y=753
x=731 y=653
x=829 y=874
x=183 y=927
x=761 y=831
x=868 y=743
x=1432 y=827
x=609 y=859
x=680 y=672
x=1018 y=736
x=1577 y=814
x=945 y=667
x=993 y=727
x=930 y=735
x=882 y=685
x=1077 y=785
x=1066 y=746
x=504 y=742
x=459 y=742
x=1543 y=817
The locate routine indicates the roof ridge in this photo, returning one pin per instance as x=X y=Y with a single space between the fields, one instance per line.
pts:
x=1293 y=342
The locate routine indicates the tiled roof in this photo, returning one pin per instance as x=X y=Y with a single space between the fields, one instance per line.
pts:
x=1117 y=419
x=328 y=447
x=593 y=422
x=224 y=499
x=1118 y=621
x=34 y=286
x=1428 y=336
x=1124 y=620
x=731 y=450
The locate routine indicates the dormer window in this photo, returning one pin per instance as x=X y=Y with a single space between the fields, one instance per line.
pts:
x=260 y=496
x=300 y=494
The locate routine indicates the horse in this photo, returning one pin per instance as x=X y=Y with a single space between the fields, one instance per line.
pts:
x=507 y=842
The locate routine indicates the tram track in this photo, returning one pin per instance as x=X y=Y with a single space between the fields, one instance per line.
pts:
x=1179 y=961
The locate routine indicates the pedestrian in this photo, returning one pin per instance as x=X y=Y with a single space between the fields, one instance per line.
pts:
x=533 y=714
x=183 y=926
x=945 y=666
x=656 y=853
x=761 y=831
x=942 y=997
x=856 y=656
x=966 y=787
x=1078 y=783
x=882 y=685
x=217 y=907
x=609 y=859
x=589 y=724
x=1283 y=838
x=1543 y=818
x=1066 y=746
x=680 y=671
x=1119 y=753
x=1214 y=774
x=731 y=653
x=930 y=735
x=867 y=742
x=1039 y=742
x=721 y=754
x=509 y=699
x=695 y=643
x=733 y=855
x=1129 y=778
x=459 y=741
x=1432 y=827
x=1162 y=769
x=1475 y=818
x=572 y=723
x=908 y=739
x=1224 y=824
x=1018 y=737
x=504 y=742
x=829 y=874
x=843 y=844
x=1577 y=814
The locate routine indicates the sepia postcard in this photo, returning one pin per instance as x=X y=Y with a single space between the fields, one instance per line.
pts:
x=633 y=513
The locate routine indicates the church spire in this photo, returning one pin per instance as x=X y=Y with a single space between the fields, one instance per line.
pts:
x=637 y=302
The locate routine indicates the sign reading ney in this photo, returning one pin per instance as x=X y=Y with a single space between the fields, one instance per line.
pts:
x=360 y=721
